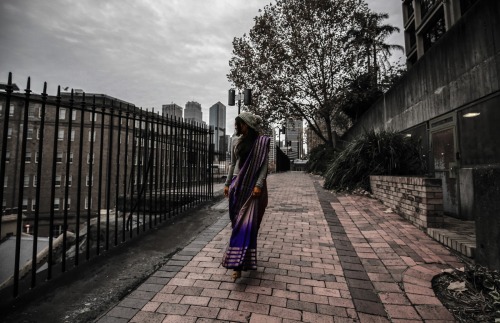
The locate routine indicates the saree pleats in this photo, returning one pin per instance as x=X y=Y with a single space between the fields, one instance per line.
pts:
x=246 y=212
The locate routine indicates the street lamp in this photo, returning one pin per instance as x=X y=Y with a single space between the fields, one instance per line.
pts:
x=246 y=96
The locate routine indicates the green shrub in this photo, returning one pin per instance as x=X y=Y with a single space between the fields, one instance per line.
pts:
x=319 y=159
x=382 y=153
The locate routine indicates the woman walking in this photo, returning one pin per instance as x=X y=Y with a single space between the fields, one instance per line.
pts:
x=247 y=191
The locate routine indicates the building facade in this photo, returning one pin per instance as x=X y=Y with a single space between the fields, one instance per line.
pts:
x=90 y=156
x=449 y=99
x=193 y=113
x=217 y=122
x=294 y=146
x=426 y=21
x=172 y=110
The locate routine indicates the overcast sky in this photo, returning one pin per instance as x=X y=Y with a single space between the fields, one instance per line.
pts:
x=146 y=52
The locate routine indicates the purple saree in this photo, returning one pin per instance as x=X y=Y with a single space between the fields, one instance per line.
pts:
x=245 y=211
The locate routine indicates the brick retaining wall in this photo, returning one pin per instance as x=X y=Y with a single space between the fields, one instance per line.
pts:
x=417 y=199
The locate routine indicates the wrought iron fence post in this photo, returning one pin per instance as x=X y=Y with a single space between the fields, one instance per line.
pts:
x=41 y=137
x=20 y=195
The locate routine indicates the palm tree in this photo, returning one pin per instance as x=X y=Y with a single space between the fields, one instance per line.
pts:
x=370 y=37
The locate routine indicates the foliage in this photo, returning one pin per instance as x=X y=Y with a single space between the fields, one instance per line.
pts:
x=477 y=301
x=362 y=93
x=382 y=153
x=319 y=159
x=301 y=57
x=369 y=35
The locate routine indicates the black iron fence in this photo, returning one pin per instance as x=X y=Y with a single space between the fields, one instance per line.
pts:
x=81 y=173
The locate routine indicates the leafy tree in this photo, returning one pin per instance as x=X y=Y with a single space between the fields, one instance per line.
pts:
x=296 y=61
x=363 y=91
x=319 y=158
x=301 y=58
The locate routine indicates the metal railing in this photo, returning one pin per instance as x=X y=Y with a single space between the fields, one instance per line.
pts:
x=80 y=174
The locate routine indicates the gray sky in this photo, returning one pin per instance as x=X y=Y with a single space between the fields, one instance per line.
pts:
x=146 y=52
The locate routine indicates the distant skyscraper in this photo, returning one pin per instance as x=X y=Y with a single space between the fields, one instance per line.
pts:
x=172 y=110
x=293 y=139
x=192 y=112
x=217 y=121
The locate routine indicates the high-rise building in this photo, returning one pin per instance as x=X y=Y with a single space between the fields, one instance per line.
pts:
x=172 y=110
x=294 y=147
x=192 y=112
x=217 y=121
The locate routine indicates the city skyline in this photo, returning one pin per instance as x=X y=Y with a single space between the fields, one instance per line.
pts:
x=155 y=54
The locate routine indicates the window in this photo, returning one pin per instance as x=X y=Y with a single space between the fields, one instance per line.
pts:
x=60 y=135
x=11 y=111
x=34 y=180
x=90 y=136
x=9 y=133
x=89 y=158
x=70 y=180
x=27 y=158
x=25 y=204
x=5 y=181
x=435 y=30
x=426 y=5
x=38 y=134
x=73 y=115
x=57 y=229
x=68 y=203
x=57 y=202
x=36 y=157
x=62 y=114
x=31 y=112
x=59 y=157
x=26 y=180
x=71 y=158
x=30 y=133
x=33 y=204
x=89 y=181
x=87 y=203
x=58 y=181
x=7 y=156
x=72 y=135
x=93 y=114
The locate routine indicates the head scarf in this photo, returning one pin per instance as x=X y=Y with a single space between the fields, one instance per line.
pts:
x=252 y=120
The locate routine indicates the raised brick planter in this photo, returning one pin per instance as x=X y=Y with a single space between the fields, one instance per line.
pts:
x=417 y=199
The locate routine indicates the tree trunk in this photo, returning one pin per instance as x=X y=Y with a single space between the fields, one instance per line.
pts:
x=330 y=141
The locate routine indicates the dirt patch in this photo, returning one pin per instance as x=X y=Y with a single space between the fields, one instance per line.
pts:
x=471 y=294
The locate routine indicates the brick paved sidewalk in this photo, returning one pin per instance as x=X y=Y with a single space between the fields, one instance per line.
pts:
x=322 y=258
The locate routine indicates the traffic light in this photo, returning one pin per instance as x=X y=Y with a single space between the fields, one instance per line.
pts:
x=247 y=97
x=231 y=97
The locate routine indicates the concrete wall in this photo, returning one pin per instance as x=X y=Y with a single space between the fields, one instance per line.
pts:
x=487 y=214
x=462 y=67
x=460 y=72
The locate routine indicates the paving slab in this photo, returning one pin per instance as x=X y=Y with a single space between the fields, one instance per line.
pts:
x=322 y=257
